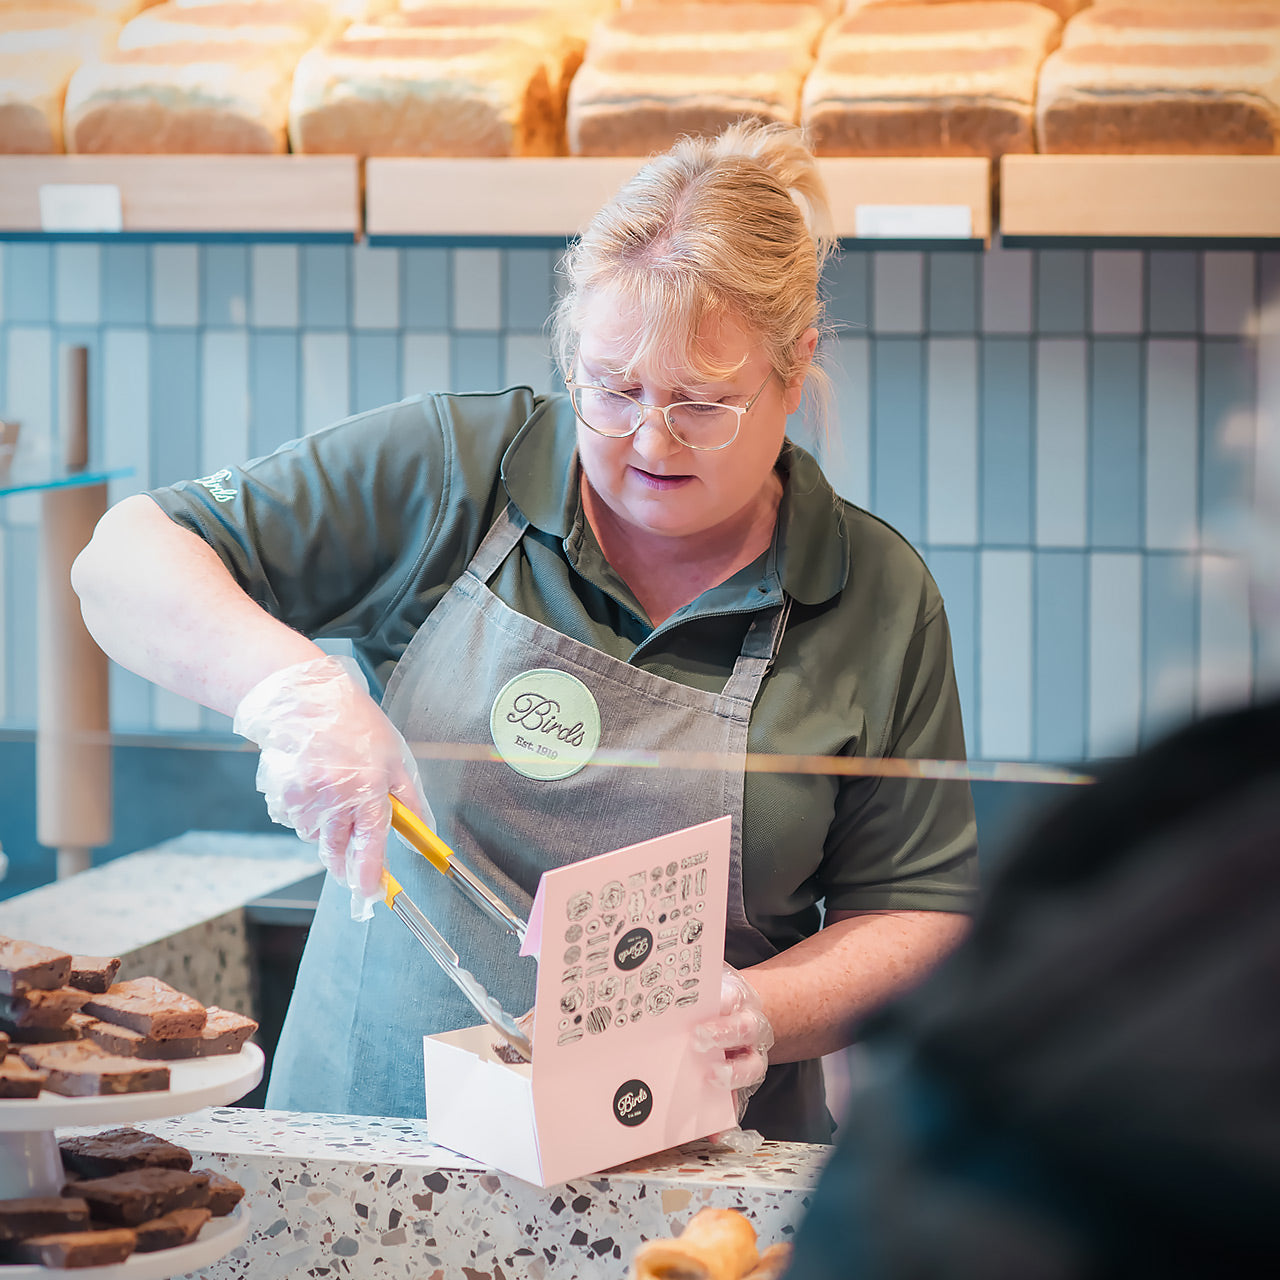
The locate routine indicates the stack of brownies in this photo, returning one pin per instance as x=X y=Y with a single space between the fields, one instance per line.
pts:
x=66 y=1027
x=127 y=1191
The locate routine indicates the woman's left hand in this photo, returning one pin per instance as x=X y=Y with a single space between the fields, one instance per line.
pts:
x=737 y=1041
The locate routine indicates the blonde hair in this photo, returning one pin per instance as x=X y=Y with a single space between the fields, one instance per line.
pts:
x=737 y=225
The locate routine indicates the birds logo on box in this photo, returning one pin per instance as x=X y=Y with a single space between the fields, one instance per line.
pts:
x=632 y=1103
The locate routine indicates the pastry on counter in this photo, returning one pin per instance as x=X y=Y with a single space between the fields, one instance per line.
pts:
x=713 y=27
x=92 y=1248
x=223 y=1032
x=1063 y=8
x=718 y=1244
x=421 y=95
x=631 y=102
x=150 y=1007
x=127 y=1199
x=965 y=24
x=224 y=1193
x=28 y=965
x=18 y=1080
x=1160 y=99
x=177 y=1227
x=93 y=973
x=77 y=1069
x=97 y=1155
x=277 y=23
x=1155 y=22
x=40 y=1215
x=43 y=1009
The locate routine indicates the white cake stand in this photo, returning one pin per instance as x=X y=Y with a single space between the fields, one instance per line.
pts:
x=31 y=1166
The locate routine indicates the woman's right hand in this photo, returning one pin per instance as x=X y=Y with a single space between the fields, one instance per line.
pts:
x=330 y=759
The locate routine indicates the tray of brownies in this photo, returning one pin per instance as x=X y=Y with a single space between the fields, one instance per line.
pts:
x=77 y=1049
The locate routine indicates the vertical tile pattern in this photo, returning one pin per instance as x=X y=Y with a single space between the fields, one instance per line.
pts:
x=1116 y=294
x=224 y=401
x=897 y=442
x=273 y=286
x=326 y=379
x=1062 y=442
x=224 y=284
x=846 y=453
x=77 y=279
x=951 y=442
x=477 y=289
x=1115 y=443
x=1061 y=675
x=175 y=285
x=1004 y=655
x=1115 y=653
x=375 y=278
x=1007 y=291
x=897 y=291
x=1070 y=437
x=1006 y=441
x=1173 y=444
x=952 y=301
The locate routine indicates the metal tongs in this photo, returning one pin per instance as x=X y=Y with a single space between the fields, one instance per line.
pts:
x=419 y=837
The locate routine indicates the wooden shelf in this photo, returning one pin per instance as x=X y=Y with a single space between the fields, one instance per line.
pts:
x=554 y=198
x=301 y=196
x=1140 y=197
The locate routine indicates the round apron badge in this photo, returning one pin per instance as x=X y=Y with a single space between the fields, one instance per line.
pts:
x=545 y=724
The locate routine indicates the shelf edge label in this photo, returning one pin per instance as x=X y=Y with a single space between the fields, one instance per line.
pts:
x=913 y=221
x=80 y=206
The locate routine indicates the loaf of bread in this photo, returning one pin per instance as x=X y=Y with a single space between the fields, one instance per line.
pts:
x=966 y=24
x=424 y=96
x=277 y=23
x=1063 y=8
x=1153 y=22
x=1162 y=99
x=561 y=42
x=923 y=102
x=631 y=102
x=714 y=27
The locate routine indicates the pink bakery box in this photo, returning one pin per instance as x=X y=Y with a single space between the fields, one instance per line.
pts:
x=630 y=948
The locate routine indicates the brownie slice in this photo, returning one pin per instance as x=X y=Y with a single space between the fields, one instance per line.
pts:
x=17 y=1080
x=224 y=1032
x=149 y=1006
x=39 y=1215
x=24 y=965
x=172 y=1229
x=97 y=1155
x=41 y=1008
x=126 y=1199
x=82 y=1069
x=74 y=1248
x=224 y=1193
x=93 y=973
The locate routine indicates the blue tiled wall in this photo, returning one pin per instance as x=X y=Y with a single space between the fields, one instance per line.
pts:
x=1065 y=435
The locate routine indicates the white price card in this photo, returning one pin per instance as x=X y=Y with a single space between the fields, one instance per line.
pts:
x=80 y=206
x=914 y=221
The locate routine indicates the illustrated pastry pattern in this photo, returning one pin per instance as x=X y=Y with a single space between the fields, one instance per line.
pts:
x=128 y=1191
x=608 y=77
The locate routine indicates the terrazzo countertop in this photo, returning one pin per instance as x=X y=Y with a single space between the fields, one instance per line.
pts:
x=364 y=1197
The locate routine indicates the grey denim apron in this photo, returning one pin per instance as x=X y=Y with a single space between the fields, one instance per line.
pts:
x=366 y=994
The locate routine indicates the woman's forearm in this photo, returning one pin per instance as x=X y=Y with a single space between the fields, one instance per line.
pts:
x=159 y=601
x=815 y=991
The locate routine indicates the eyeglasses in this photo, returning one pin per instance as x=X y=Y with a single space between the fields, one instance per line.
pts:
x=699 y=424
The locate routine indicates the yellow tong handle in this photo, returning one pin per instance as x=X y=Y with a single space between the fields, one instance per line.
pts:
x=421 y=837
x=391 y=888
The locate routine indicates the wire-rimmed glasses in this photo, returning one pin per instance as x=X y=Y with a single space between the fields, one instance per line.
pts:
x=699 y=424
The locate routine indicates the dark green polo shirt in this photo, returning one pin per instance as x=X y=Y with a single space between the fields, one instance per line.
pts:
x=359 y=529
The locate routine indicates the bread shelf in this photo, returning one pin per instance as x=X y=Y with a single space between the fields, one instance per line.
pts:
x=1140 y=197
x=555 y=197
x=297 y=197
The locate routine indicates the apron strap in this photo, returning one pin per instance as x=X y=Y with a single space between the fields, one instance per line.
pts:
x=759 y=651
x=498 y=543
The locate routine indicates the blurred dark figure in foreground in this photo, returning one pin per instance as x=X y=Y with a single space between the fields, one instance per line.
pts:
x=1090 y=1087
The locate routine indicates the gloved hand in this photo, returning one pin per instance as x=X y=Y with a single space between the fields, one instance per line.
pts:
x=329 y=759
x=737 y=1042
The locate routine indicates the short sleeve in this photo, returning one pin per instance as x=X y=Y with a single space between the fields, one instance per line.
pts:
x=909 y=843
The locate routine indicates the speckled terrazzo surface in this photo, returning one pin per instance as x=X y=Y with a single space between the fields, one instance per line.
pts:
x=366 y=1197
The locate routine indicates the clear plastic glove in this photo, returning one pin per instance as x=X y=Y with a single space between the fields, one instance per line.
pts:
x=737 y=1042
x=330 y=758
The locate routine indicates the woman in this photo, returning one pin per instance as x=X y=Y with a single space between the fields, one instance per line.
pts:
x=652 y=539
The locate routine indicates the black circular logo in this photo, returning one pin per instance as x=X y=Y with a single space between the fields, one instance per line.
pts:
x=632 y=1103
x=633 y=949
